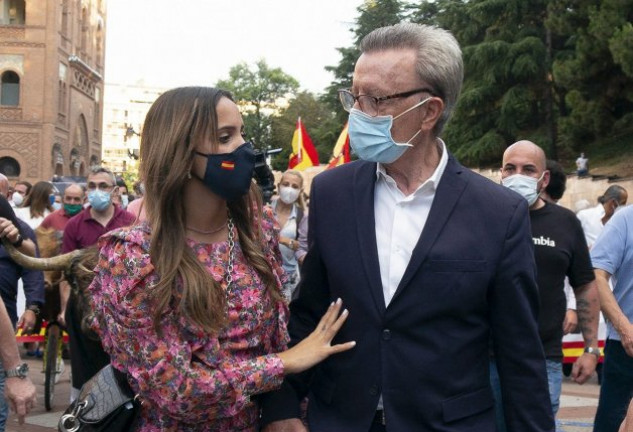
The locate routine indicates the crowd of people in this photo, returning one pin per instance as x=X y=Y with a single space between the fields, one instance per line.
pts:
x=410 y=294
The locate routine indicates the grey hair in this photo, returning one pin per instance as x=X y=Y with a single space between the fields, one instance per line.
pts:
x=439 y=58
x=100 y=169
x=613 y=192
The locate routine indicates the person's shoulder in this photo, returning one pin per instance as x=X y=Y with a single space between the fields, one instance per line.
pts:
x=129 y=244
x=344 y=174
x=22 y=212
x=623 y=218
x=124 y=216
x=135 y=235
x=490 y=191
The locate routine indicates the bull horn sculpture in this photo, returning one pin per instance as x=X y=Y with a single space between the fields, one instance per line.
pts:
x=60 y=262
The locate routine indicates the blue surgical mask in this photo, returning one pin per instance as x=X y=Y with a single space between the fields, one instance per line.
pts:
x=125 y=200
x=57 y=206
x=370 y=137
x=99 y=200
x=524 y=185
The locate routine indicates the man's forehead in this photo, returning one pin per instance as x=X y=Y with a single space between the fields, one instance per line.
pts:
x=381 y=72
x=73 y=190
x=524 y=155
x=100 y=177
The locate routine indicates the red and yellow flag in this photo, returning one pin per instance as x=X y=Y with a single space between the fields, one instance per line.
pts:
x=304 y=154
x=340 y=154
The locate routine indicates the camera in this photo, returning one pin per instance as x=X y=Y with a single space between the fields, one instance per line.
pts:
x=263 y=173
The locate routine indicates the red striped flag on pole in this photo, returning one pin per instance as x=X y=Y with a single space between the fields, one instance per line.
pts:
x=340 y=154
x=304 y=154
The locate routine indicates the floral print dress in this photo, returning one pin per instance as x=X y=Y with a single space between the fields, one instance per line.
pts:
x=188 y=379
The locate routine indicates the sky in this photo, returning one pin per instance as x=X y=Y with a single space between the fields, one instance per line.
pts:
x=196 y=42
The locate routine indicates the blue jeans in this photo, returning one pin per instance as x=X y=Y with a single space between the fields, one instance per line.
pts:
x=4 y=406
x=554 y=381
x=616 y=388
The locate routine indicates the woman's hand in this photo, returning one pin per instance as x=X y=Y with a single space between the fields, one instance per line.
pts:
x=317 y=346
x=289 y=243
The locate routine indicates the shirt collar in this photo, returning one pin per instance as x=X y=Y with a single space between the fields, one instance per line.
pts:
x=432 y=181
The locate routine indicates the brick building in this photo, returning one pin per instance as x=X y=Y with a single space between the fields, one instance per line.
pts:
x=51 y=87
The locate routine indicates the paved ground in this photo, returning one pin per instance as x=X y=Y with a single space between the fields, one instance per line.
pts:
x=578 y=404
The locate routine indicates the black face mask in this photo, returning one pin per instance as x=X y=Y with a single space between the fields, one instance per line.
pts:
x=229 y=175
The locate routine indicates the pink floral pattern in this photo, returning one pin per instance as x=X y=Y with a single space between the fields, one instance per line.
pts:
x=190 y=380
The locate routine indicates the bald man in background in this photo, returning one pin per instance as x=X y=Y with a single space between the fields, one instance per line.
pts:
x=560 y=250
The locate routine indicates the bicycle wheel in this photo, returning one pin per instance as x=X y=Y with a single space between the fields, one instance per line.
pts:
x=52 y=342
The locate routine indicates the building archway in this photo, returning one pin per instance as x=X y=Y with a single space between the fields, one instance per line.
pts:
x=9 y=167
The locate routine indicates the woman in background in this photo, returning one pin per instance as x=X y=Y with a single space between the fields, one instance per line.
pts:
x=289 y=210
x=37 y=204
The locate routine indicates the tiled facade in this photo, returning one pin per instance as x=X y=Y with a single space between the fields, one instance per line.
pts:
x=51 y=91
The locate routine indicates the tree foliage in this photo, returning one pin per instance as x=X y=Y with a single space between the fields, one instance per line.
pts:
x=372 y=15
x=259 y=92
x=557 y=72
x=319 y=121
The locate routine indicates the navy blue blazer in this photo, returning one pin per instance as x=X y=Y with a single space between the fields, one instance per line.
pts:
x=471 y=278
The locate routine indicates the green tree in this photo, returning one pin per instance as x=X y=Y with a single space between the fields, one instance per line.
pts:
x=596 y=72
x=258 y=92
x=318 y=119
x=372 y=15
x=505 y=91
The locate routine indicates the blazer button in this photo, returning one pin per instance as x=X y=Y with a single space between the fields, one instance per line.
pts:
x=373 y=390
x=386 y=334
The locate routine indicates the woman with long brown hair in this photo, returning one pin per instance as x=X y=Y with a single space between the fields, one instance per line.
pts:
x=37 y=204
x=188 y=303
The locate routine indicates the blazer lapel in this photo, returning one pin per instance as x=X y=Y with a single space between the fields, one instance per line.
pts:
x=364 y=185
x=447 y=195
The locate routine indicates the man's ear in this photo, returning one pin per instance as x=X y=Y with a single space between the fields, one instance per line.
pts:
x=545 y=180
x=434 y=109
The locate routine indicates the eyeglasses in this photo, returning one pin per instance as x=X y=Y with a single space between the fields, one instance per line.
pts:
x=369 y=104
x=105 y=187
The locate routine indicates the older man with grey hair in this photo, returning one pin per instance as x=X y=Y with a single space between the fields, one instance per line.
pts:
x=594 y=219
x=431 y=259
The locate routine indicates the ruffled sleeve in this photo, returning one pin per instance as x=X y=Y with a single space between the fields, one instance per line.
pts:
x=164 y=368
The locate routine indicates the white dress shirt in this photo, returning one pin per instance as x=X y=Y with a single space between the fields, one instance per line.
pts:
x=400 y=220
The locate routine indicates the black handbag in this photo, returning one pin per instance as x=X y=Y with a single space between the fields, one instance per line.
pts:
x=105 y=403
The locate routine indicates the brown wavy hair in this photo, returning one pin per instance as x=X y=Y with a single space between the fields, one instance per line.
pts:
x=38 y=199
x=176 y=122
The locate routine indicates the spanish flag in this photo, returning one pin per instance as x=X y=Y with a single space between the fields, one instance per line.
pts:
x=228 y=165
x=303 y=154
x=340 y=154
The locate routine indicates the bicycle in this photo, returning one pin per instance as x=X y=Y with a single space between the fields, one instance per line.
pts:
x=52 y=336
x=53 y=362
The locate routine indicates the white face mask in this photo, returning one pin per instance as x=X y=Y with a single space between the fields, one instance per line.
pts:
x=524 y=185
x=288 y=194
x=17 y=198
